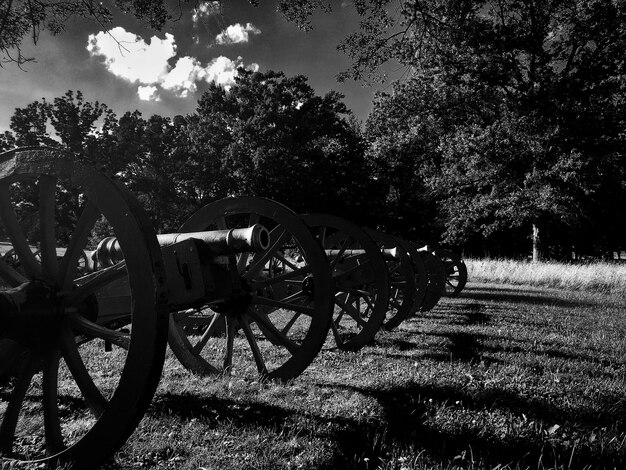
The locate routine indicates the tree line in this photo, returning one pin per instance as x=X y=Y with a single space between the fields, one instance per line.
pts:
x=405 y=170
x=506 y=132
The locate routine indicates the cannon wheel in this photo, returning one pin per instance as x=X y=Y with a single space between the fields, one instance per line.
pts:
x=401 y=280
x=456 y=271
x=436 y=280
x=279 y=321
x=59 y=406
x=360 y=280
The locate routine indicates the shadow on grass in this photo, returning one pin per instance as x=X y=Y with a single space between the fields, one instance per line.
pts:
x=521 y=295
x=466 y=314
x=408 y=409
x=406 y=425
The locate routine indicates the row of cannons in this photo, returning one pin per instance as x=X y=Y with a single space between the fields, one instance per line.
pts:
x=246 y=287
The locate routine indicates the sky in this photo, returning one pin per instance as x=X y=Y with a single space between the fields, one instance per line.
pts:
x=131 y=67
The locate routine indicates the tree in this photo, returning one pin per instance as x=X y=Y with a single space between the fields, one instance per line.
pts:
x=19 y=18
x=522 y=102
x=157 y=166
x=270 y=135
x=81 y=127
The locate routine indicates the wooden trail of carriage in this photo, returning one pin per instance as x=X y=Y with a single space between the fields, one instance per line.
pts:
x=246 y=287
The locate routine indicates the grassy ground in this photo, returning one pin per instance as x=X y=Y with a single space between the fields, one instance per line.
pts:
x=596 y=276
x=503 y=377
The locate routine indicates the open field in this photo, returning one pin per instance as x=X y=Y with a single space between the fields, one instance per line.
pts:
x=503 y=377
x=598 y=276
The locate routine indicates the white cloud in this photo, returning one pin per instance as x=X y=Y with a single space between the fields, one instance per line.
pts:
x=205 y=10
x=223 y=71
x=237 y=33
x=182 y=78
x=148 y=93
x=129 y=57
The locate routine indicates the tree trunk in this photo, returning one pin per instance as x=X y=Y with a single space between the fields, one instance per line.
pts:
x=537 y=255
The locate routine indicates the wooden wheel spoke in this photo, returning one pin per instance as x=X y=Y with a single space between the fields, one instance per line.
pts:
x=94 y=399
x=243 y=257
x=10 y=275
x=89 y=284
x=273 y=333
x=204 y=339
x=350 y=271
x=342 y=249
x=351 y=311
x=12 y=412
x=285 y=261
x=284 y=304
x=259 y=261
x=337 y=321
x=337 y=336
x=81 y=325
x=47 y=204
x=290 y=323
x=254 y=347
x=281 y=278
x=52 y=424
x=16 y=234
x=242 y=261
x=86 y=222
x=227 y=365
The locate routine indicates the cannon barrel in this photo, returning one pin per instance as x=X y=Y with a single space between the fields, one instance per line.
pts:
x=220 y=242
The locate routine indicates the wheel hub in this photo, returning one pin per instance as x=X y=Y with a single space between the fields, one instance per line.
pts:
x=308 y=286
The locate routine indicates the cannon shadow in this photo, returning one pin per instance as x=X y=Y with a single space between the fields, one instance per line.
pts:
x=526 y=295
x=405 y=424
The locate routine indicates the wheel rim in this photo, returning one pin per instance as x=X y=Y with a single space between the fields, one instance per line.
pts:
x=456 y=272
x=360 y=280
x=279 y=323
x=436 y=280
x=59 y=405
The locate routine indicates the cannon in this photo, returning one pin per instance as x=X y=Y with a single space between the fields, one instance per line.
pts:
x=360 y=281
x=252 y=266
x=244 y=287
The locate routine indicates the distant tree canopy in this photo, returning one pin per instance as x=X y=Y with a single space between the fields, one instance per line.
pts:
x=511 y=114
x=269 y=135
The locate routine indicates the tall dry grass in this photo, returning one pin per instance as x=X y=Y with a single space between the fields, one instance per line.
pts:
x=597 y=276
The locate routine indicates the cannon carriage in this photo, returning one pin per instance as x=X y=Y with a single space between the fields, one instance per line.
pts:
x=244 y=287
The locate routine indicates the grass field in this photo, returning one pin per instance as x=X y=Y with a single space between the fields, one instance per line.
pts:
x=594 y=276
x=503 y=377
